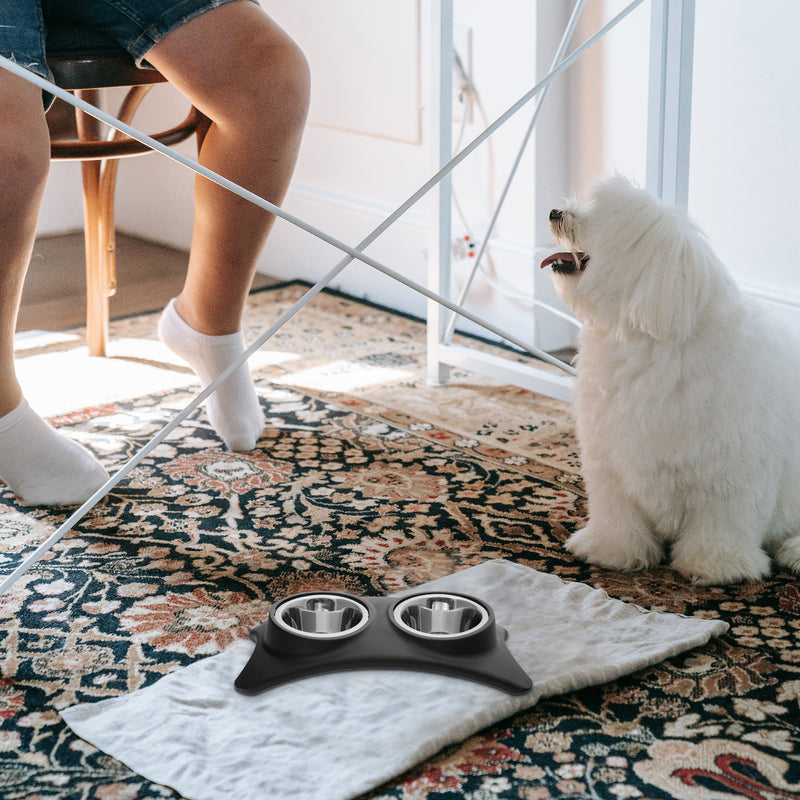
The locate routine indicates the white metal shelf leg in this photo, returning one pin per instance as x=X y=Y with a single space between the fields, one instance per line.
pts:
x=670 y=100
x=441 y=132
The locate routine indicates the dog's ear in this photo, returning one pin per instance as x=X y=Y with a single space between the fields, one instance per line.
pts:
x=675 y=275
x=651 y=269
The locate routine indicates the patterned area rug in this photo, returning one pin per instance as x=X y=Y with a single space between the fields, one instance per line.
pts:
x=367 y=481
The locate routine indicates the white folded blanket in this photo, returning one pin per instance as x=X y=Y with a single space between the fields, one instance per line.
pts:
x=334 y=736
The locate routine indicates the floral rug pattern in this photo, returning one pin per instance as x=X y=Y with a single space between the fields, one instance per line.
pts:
x=368 y=481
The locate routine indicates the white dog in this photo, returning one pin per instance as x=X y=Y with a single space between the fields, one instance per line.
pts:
x=687 y=397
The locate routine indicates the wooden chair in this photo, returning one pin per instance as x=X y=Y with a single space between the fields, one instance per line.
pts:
x=85 y=74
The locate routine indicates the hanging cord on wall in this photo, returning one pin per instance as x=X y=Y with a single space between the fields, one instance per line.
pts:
x=351 y=253
x=471 y=93
x=472 y=97
x=472 y=101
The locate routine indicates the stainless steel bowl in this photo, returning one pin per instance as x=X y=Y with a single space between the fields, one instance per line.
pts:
x=440 y=616
x=321 y=615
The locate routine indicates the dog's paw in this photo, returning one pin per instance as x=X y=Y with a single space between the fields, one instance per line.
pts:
x=721 y=569
x=787 y=553
x=614 y=549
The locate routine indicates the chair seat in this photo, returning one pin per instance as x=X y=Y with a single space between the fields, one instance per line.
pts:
x=87 y=72
x=99 y=70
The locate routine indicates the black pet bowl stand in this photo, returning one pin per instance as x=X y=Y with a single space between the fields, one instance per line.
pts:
x=319 y=632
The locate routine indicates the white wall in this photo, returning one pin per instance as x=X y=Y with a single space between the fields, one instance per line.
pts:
x=745 y=167
x=745 y=151
x=62 y=206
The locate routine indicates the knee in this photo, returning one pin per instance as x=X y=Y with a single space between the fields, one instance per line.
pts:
x=284 y=86
x=271 y=88
x=299 y=77
x=24 y=160
x=24 y=139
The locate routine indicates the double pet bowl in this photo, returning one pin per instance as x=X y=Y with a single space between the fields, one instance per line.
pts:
x=317 y=632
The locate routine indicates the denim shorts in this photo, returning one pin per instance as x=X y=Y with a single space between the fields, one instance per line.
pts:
x=32 y=29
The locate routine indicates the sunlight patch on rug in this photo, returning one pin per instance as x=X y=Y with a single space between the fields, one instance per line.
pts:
x=345 y=376
x=59 y=382
x=31 y=340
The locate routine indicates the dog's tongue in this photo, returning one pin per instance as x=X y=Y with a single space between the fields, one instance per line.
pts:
x=565 y=262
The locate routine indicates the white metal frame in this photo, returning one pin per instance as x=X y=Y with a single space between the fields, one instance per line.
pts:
x=668 y=134
x=670 y=102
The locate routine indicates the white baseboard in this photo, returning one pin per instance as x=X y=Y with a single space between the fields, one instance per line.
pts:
x=784 y=306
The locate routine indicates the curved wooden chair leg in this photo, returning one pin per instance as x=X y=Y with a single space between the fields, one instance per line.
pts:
x=99 y=184
x=96 y=300
x=106 y=243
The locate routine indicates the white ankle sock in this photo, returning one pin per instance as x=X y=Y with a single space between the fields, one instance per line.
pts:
x=41 y=466
x=233 y=408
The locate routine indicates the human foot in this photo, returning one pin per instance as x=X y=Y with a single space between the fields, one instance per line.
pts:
x=41 y=466
x=233 y=408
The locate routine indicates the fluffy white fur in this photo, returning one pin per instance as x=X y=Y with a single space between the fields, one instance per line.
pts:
x=688 y=415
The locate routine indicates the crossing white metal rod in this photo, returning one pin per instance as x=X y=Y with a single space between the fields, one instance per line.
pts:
x=113 y=480
x=562 y=46
x=356 y=253
x=352 y=253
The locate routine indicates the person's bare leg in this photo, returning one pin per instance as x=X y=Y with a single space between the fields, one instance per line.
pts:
x=24 y=160
x=37 y=463
x=250 y=79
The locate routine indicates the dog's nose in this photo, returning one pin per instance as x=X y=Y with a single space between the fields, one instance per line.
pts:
x=555 y=215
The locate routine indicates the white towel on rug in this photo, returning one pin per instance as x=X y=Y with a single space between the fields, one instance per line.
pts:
x=334 y=736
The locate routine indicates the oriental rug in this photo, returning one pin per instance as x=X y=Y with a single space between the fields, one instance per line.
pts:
x=369 y=481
